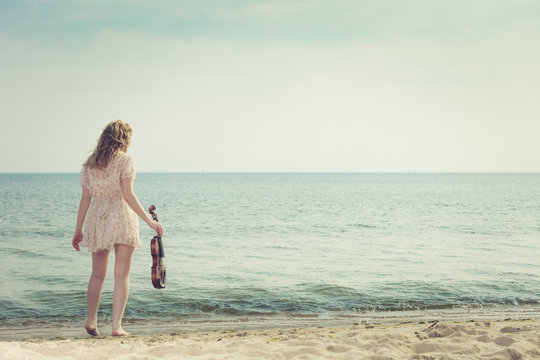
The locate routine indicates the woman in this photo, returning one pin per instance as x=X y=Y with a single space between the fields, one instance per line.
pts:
x=107 y=196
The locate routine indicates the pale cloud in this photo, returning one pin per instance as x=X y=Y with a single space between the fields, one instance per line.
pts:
x=225 y=106
x=391 y=101
x=264 y=10
x=63 y=21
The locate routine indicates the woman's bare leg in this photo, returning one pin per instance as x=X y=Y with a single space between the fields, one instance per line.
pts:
x=122 y=268
x=95 y=285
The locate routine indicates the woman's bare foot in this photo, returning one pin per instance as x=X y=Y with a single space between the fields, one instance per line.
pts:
x=120 y=332
x=92 y=330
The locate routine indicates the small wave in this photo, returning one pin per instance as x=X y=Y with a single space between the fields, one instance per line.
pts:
x=330 y=290
x=25 y=253
x=307 y=299
x=44 y=303
x=362 y=226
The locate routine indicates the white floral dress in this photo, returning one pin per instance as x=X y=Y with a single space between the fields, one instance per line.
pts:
x=110 y=220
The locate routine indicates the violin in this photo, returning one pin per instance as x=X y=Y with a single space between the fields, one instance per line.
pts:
x=159 y=274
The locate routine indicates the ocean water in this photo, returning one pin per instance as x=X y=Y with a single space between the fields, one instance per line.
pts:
x=260 y=246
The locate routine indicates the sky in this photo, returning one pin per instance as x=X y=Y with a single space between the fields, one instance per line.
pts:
x=273 y=86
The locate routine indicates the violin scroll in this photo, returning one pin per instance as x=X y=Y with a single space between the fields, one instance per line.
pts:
x=151 y=209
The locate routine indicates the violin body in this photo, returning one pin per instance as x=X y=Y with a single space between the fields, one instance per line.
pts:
x=159 y=273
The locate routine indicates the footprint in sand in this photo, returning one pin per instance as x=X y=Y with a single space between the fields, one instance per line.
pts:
x=511 y=329
x=504 y=341
x=338 y=348
x=484 y=338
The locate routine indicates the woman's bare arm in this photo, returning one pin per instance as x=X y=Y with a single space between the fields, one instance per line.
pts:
x=133 y=202
x=81 y=216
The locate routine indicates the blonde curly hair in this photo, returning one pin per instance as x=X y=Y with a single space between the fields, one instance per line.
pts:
x=115 y=137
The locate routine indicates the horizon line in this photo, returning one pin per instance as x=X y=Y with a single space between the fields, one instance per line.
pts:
x=289 y=172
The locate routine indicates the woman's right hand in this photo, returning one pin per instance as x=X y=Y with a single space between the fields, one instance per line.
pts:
x=77 y=238
x=157 y=227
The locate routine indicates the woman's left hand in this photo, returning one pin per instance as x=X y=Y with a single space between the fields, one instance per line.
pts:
x=77 y=238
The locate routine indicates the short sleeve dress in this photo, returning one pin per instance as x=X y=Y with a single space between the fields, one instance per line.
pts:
x=110 y=220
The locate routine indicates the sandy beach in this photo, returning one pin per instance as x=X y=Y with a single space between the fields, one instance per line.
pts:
x=508 y=339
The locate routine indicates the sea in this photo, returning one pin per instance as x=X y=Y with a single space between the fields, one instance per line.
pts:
x=252 y=250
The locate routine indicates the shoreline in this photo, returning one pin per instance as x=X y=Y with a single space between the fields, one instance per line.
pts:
x=72 y=327
x=448 y=339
